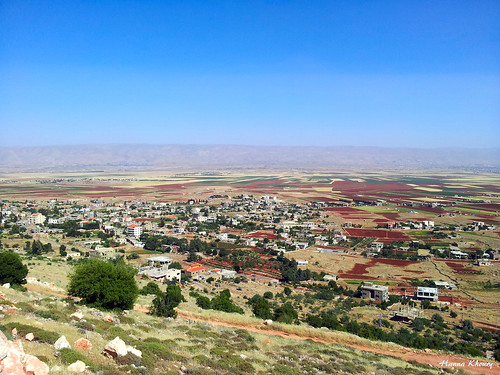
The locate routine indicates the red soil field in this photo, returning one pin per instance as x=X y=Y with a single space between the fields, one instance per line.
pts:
x=262 y=234
x=460 y=268
x=377 y=233
x=360 y=271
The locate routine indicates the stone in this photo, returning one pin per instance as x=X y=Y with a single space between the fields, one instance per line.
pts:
x=78 y=315
x=134 y=351
x=6 y=285
x=108 y=318
x=116 y=348
x=62 y=343
x=83 y=343
x=268 y=322
x=77 y=367
x=267 y=341
x=12 y=364
x=2 y=296
x=243 y=356
x=4 y=350
x=29 y=336
x=14 y=332
x=33 y=366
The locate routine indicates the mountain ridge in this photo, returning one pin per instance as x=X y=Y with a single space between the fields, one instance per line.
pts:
x=175 y=156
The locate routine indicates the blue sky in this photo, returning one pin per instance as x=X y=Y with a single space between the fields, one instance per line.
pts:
x=326 y=73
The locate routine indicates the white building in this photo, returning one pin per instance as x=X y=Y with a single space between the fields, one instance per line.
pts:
x=427 y=293
x=38 y=218
x=134 y=230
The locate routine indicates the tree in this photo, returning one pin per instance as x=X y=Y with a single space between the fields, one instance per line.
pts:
x=12 y=269
x=268 y=295
x=175 y=265
x=286 y=313
x=261 y=308
x=104 y=285
x=203 y=302
x=62 y=250
x=165 y=303
x=151 y=288
x=223 y=302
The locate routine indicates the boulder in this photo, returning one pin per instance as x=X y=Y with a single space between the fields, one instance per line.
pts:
x=77 y=367
x=77 y=315
x=6 y=285
x=29 y=336
x=83 y=344
x=108 y=318
x=116 y=348
x=33 y=366
x=4 y=350
x=134 y=351
x=268 y=322
x=12 y=363
x=62 y=343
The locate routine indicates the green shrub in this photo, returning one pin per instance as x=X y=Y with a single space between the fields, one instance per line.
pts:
x=12 y=269
x=40 y=334
x=104 y=285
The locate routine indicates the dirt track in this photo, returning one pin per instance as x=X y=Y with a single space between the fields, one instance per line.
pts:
x=424 y=357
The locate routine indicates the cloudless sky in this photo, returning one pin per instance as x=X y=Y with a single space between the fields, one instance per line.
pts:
x=383 y=73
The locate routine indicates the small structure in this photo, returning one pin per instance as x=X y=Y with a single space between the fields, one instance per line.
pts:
x=424 y=293
x=104 y=253
x=406 y=314
x=301 y=262
x=445 y=285
x=483 y=262
x=159 y=262
x=330 y=278
x=375 y=292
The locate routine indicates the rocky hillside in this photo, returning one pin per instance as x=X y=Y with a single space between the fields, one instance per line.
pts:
x=45 y=334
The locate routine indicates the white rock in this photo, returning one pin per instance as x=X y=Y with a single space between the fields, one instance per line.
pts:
x=134 y=351
x=268 y=322
x=77 y=367
x=243 y=356
x=62 y=343
x=116 y=348
x=78 y=315
x=29 y=336
x=6 y=285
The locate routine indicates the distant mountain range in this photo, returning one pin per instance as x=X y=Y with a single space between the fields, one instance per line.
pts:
x=189 y=157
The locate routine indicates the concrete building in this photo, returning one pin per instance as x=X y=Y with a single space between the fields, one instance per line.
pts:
x=38 y=218
x=423 y=293
x=159 y=262
x=375 y=292
x=134 y=230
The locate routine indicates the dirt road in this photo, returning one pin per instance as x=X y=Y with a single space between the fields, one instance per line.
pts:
x=425 y=357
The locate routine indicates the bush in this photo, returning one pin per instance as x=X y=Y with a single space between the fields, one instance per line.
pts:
x=104 y=284
x=203 y=302
x=40 y=334
x=164 y=303
x=12 y=269
x=151 y=288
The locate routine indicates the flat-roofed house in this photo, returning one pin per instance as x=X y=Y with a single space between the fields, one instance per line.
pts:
x=375 y=292
x=424 y=293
